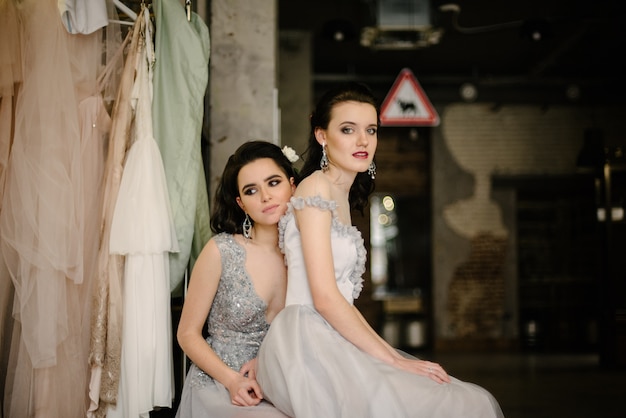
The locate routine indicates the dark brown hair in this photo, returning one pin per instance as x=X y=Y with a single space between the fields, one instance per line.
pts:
x=363 y=184
x=226 y=215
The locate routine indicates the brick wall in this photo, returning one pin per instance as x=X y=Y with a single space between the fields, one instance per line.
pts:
x=476 y=292
x=474 y=272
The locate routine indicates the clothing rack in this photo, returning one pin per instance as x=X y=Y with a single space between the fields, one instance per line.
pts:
x=133 y=15
x=127 y=10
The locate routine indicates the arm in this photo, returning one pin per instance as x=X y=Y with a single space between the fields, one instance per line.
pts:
x=392 y=350
x=426 y=368
x=314 y=225
x=201 y=292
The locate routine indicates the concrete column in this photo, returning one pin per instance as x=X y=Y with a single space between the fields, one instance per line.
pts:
x=295 y=83
x=242 y=82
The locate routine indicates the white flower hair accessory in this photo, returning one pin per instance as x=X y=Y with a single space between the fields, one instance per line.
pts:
x=290 y=154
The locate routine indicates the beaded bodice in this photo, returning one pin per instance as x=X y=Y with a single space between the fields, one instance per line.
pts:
x=236 y=324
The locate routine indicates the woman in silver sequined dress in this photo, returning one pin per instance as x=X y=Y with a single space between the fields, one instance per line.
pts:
x=237 y=286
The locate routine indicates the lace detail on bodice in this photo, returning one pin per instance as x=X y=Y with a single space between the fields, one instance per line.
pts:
x=236 y=322
x=343 y=230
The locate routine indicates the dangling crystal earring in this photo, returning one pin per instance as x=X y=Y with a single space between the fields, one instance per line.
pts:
x=247 y=227
x=324 y=160
x=371 y=170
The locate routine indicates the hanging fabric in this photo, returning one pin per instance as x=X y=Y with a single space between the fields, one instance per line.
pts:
x=113 y=52
x=83 y=16
x=45 y=223
x=143 y=231
x=181 y=76
x=106 y=317
x=10 y=76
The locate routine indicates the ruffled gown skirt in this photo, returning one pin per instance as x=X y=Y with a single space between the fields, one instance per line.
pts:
x=307 y=369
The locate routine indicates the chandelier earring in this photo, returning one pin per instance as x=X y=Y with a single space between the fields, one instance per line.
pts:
x=247 y=227
x=371 y=170
x=324 y=160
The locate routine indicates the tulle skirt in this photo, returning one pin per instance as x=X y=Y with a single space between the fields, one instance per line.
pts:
x=307 y=369
x=204 y=397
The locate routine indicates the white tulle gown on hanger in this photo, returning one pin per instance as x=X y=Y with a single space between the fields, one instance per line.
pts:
x=143 y=230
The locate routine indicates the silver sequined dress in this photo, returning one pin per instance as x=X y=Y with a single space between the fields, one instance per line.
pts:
x=308 y=370
x=236 y=327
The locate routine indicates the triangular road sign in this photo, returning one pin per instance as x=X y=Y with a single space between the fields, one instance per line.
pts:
x=406 y=104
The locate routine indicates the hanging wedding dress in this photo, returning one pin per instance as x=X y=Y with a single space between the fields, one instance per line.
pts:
x=143 y=230
x=106 y=316
x=45 y=223
x=10 y=76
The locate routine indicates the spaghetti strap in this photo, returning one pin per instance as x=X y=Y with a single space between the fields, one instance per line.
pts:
x=104 y=76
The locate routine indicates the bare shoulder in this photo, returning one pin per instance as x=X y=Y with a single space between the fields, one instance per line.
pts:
x=317 y=184
x=207 y=269
x=211 y=244
x=210 y=252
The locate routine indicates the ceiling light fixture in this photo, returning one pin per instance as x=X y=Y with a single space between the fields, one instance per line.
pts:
x=339 y=30
x=468 y=92
x=401 y=24
x=536 y=30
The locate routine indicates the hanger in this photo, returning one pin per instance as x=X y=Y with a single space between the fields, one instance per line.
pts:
x=127 y=11
x=188 y=9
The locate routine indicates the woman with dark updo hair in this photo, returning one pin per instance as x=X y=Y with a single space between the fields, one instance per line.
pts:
x=320 y=357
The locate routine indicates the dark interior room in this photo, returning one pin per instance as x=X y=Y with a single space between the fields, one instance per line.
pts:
x=569 y=351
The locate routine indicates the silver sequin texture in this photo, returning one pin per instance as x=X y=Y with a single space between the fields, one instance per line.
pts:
x=236 y=324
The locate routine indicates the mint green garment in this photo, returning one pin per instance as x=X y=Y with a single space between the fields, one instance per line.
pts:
x=181 y=75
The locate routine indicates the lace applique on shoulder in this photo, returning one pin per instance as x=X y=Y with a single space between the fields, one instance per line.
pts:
x=314 y=201
x=299 y=203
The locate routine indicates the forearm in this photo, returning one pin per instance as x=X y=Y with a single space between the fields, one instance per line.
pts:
x=391 y=349
x=346 y=320
x=203 y=356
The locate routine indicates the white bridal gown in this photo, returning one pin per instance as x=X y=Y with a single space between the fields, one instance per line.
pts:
x=308 y=370
x=143 y=230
